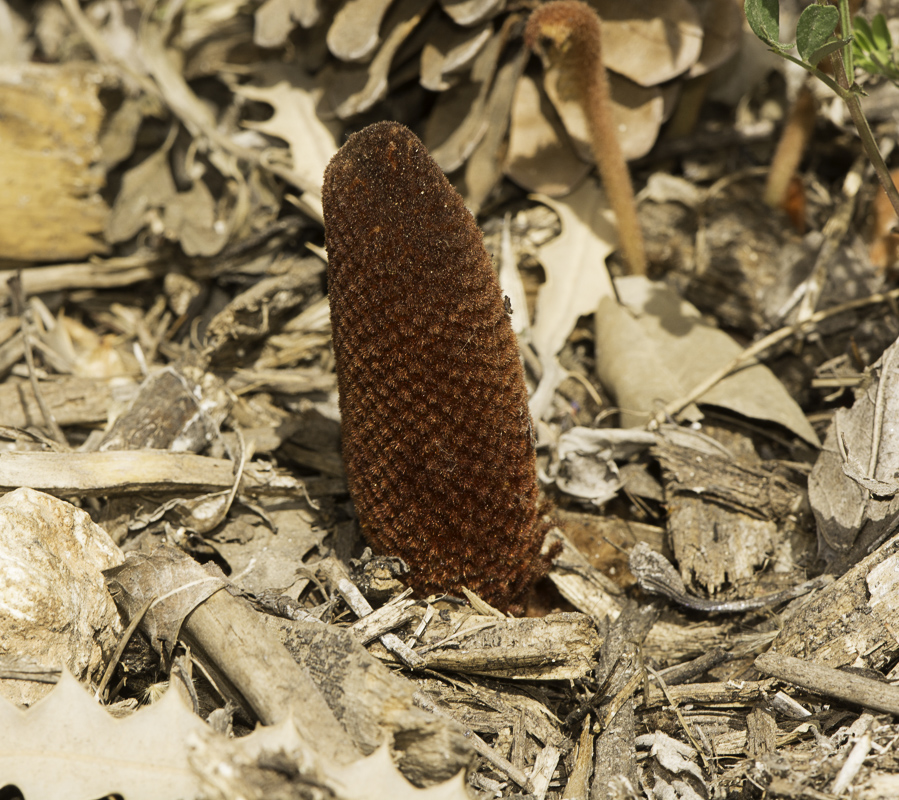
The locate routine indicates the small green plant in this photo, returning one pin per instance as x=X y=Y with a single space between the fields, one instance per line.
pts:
x=818 y=36
x=872 y=47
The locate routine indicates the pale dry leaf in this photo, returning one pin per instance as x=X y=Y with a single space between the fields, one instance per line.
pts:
x=649 y=42
x=273 y=20
x=190 y=219
x=574 y=262
x=637 y=111
x=458 y=120
x=483 y=169
x=66 y=745
x=722 y=26
x=471 y=12
x=655 y=347
x=576 y=278
x=147 y=186
x=353 y=35
x=450 y=50
x=540 y=157
x=377 y=778
x=294 y=97
x=351 y=89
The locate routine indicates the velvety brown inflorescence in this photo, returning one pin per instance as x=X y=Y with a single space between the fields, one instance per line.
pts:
x=437 y=439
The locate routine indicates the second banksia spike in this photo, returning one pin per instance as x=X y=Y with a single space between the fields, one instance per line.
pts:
x=437 y=438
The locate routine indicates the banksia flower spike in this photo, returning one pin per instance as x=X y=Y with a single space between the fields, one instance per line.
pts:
x=568 y=35
x=437 y=438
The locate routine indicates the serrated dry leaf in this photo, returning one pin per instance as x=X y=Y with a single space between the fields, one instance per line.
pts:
x=66 y=745
x=656 y=347
x=540 y=157
x=294 y=96
x=576 y=278
x=376 y=778
x=649 y=42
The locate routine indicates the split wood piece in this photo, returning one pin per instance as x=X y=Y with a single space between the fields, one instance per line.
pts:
x=726 y=516
x=261 y=309
x=614 y=667
x=110 y=273
x=71 y=400
x=578 y=786
x=856 y=616
x=830 y=682
x=580 y=583
x=498 y=762
x=362 y=608
x=377 y=623
x=250 y=664
x=746 y=693
x=615 y=752
x=184 y=404
x=373 y=703
x=556 y=647
x=126 y=471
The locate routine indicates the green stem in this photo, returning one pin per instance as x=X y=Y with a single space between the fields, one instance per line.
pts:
x=846 y=33
x=853 y=102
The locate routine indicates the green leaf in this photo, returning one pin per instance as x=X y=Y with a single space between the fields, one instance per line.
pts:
x=827 y=49
x=864 y=36
x=763 y=17
x=880 y=34
x=816 y=25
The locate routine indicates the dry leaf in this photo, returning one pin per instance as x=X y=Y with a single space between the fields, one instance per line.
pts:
x=450 y=51
x=353 y=35
x=471 y=12
x=352 y=89
x=68 y=746
x=173 y=576
x=294 y=96
x=540 y=157
x=272 y=21
x=849 y=516
x=655 y=347
x=649 y=42
x=576 y=279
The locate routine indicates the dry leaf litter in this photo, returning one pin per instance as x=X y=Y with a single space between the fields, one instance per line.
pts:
x=712 y=436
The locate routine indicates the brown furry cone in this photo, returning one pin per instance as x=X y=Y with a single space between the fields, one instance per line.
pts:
x=437 y=438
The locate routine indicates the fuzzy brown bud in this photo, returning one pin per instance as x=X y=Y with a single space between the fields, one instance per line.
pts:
x=437 y=438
